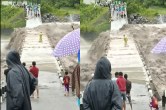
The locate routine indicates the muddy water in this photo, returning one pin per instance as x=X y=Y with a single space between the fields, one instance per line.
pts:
x=5 y=38
x=84 y=47
x=4 y=41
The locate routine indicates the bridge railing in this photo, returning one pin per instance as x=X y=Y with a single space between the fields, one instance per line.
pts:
x=149 y=81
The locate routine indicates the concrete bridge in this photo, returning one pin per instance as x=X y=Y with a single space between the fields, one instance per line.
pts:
x=50 y=86
x=129 y=59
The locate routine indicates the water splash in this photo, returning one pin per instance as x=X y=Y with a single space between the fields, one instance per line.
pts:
x=161 y=19
x=71 y=18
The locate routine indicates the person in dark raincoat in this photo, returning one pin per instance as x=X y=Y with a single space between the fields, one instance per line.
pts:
x=20 y=84
x=102 y=93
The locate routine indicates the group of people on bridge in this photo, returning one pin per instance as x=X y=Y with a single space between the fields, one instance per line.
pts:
x=118 y=9
x=33 y=10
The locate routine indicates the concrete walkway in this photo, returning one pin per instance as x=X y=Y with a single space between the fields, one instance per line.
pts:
x=52 y=92
x=33 y=21
x=127 y=60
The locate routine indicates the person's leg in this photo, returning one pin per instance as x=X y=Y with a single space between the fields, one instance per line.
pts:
x=124 y=100
x=124 y=105
x=129 y=99
x=124 y=43
x=33 y=95
x=67 y=89
x=37 y=89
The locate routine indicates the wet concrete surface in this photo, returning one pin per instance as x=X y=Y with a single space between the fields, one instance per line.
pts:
x=51 y=95
x=140 y=97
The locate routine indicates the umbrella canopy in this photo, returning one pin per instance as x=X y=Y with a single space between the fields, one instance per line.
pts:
x=68 y=45
x=160 y=47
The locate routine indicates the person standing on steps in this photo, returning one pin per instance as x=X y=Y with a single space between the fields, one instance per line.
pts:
x=35 y=71
x=20 y=84
x=101 y=93
x=125 y=40
x=66 y=80
x=40 y=37
x=121 y=82
x=128 y=89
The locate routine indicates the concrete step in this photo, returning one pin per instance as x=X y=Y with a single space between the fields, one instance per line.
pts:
x=135 y=74
x=29 y=49
x=35 y=39
x=126 y=64
x=128 y=69
x=29 y=46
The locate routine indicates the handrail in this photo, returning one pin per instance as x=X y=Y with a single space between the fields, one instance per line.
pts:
x=149 y=81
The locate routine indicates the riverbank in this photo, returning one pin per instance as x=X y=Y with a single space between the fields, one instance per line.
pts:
x=12 y=17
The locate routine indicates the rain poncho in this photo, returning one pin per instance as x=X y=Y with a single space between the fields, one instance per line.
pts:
x=20 y=84
x=101 y=93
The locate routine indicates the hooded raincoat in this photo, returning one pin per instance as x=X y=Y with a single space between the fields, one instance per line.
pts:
x=102 y=93
x=20 y=84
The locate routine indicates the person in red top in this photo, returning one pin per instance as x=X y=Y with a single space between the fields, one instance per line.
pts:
x=35 y=71
x=66 y=80
x=154 y=103
x=121 y=82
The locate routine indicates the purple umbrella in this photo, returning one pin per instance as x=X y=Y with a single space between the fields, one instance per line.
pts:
x=68 y=45
x=160 y=47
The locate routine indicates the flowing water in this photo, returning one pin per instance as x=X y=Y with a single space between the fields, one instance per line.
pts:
x=162 y=19
x=84 y=47
x=5 y=38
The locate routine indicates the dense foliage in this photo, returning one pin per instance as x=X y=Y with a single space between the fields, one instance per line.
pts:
x=94 y=19
x=148 y=3
x=60 y=7
x=12 y=17
x=148 y=8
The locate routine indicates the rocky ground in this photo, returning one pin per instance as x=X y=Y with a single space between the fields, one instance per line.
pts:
x=138 y=19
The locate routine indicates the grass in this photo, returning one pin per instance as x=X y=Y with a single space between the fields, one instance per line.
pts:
x=70 y=10
x=98 y=22
x=152 y=12
x=101 y=22
x=159 y=10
